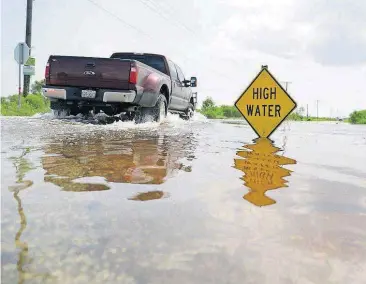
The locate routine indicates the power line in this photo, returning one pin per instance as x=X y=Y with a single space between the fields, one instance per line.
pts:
x=166 y=11
x=194 y=34
x=155 y=10
x=172 y=8
x=142 y=32
x=119 y=19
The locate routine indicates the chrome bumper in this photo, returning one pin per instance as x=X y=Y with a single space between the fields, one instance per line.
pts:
x=54 y=93
x=108 y=96
x=121 y=97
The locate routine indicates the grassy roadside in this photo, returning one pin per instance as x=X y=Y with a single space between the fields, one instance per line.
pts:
x=297 y=117
x=356 y=117
x=36 y=103
x=30 y=105
x=221 y=112
x=212 y=111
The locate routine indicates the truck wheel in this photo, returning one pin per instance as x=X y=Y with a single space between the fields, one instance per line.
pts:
x=160 y=109
x=156 y=113
x=59 y=109
x=74 y=111
x=85 y=111
x=188 y=113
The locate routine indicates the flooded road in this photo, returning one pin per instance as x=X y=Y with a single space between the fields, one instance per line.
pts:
x=182 y=202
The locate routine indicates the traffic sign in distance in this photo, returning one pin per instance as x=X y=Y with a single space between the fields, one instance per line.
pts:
x=265 y=104
x=29 y=67
x=31 y=61
x=21 y=53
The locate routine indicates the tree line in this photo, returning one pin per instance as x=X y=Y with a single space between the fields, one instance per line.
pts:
x=213 y=111
x=36 y=103
x=31 y=104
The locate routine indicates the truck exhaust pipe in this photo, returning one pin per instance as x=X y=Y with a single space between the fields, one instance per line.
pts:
x=132 y=108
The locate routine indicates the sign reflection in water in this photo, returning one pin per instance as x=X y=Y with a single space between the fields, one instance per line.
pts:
x=263 y=170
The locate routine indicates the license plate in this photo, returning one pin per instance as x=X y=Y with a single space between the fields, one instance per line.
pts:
x=90 y=94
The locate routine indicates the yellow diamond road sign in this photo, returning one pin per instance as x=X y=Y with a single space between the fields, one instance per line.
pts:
x=265 y=103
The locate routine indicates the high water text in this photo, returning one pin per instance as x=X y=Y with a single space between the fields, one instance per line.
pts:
x=264 y=109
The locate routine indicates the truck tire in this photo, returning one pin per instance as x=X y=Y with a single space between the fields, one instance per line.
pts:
x=188 y=113
x=61 y=109
x=156 y=113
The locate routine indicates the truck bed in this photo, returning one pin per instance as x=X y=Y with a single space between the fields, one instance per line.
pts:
x=89 y=72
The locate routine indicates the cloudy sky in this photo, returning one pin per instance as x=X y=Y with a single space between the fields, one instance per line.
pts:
x=317 y=45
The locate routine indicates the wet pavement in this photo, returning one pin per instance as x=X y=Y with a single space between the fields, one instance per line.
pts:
x=181 y=202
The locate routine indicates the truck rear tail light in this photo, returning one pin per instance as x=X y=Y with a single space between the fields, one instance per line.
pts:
x=47 y=71
x=133 y=75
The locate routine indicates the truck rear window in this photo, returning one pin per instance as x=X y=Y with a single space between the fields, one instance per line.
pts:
x=153 y=61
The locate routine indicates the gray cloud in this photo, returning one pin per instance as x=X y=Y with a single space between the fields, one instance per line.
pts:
x=330 y=32
x=339 y=31
x=339 y=48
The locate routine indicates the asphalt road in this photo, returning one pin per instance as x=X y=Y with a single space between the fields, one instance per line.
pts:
x=181 y=202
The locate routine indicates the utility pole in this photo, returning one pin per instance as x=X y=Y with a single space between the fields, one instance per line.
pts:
x=28 y=40
x=317 y=109
x=286 y=84
x=307 y=111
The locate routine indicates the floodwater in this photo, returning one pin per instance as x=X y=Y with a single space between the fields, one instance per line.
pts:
x=181 y=202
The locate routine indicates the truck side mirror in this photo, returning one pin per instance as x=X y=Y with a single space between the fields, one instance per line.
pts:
x=193 y=81
x=186 y=83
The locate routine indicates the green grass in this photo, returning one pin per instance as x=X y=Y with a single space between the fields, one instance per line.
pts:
x=224 y=112
x=220 y=112
x=297 y=117
x=30 y=105
x=358 y=117
x=312 y=118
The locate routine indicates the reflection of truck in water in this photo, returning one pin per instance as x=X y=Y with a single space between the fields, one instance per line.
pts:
x=136 y=160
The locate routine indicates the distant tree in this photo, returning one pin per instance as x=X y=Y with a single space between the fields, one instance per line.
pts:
x=37 y=86
x=208 y=103
x=301 y=111
x=298 y=114
x=358 y=117
x=230 y=111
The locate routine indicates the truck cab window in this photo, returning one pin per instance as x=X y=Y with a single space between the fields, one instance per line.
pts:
x=153 y=61
x=173 y=71
x=180 y=74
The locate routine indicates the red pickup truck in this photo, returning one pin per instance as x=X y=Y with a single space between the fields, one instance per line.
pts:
x=139 y=86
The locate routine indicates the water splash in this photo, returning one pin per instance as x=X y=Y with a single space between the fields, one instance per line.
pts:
x=199 y=117
x=101 y=119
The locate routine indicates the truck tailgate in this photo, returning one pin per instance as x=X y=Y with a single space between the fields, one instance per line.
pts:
x=89 y=72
